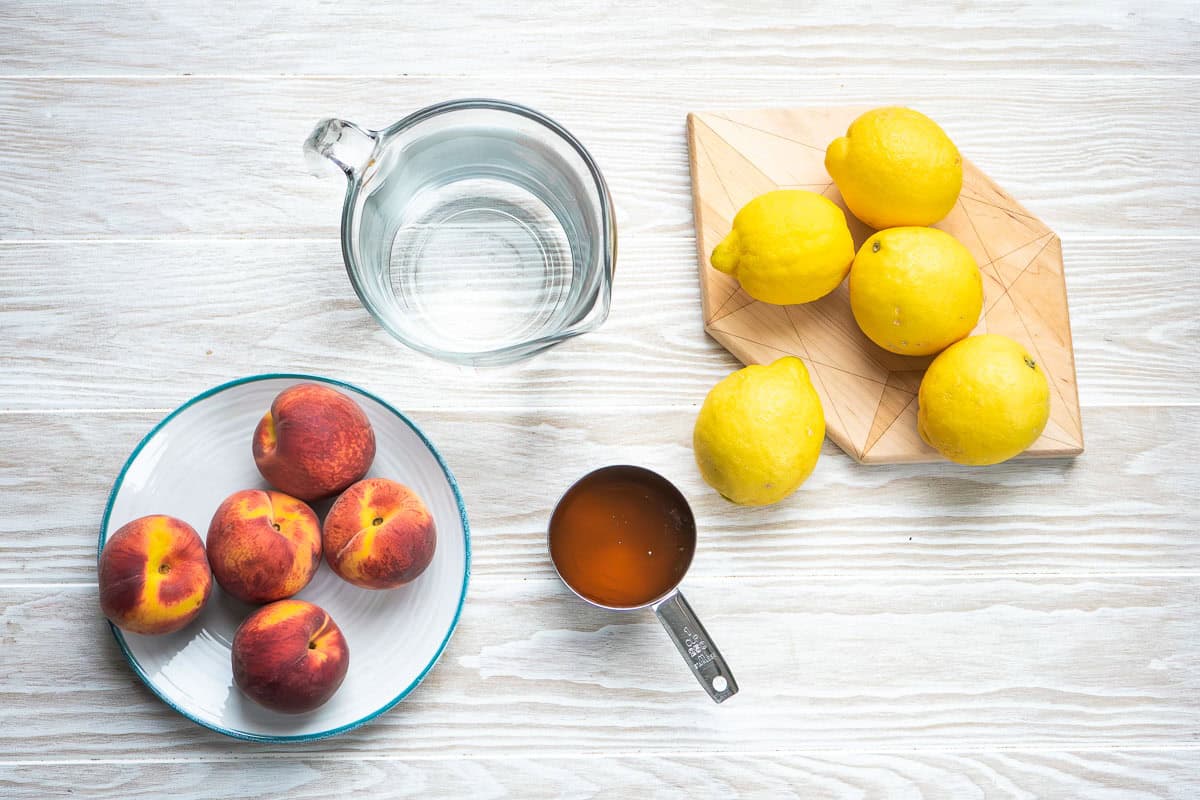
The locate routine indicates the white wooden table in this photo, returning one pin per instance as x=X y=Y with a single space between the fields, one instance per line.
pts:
x=1031 y=630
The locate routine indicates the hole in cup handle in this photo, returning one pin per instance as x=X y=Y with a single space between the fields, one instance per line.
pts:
x=340 y=143
x=696 y=647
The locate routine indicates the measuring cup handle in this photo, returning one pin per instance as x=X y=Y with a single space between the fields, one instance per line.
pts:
x=696 y=647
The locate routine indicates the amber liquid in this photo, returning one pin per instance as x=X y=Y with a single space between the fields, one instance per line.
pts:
x=622 y=537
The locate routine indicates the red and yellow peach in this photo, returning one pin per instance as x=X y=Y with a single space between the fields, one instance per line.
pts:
x=313 y=442
x=379 y=534
x=263 y=546
x=153 y=574
x=289 y=656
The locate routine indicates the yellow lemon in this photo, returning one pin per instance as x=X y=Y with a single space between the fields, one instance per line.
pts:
x=759 y=432
x=915 y=291
x=983 y=400
x=895 y=167
x=788 y=246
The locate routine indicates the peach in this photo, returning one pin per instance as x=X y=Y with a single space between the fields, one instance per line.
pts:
x=379 y=534
x=263 y=546
x=289 y=656
x=154 y=577
x=313 y=442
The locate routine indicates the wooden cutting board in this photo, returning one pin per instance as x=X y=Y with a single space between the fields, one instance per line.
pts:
x=869 y=394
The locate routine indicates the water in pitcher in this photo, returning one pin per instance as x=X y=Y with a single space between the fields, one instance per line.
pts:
x=479 y=238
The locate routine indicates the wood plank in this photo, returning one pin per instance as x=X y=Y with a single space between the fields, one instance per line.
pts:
x=823 y=663
x=149 y=324
x=781 y=776
x=884 y=646
x=221 y=156
x=1117 y=509
x=575 y=37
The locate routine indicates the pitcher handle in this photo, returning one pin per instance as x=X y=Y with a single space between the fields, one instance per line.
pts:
x=345 y=144
x=696 y=647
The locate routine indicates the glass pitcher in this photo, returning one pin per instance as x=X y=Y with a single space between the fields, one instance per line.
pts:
x=475 y=231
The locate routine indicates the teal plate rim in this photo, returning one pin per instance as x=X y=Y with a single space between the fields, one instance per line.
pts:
x=462 y=512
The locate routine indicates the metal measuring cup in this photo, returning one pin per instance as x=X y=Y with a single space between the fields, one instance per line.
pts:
x=672 y=610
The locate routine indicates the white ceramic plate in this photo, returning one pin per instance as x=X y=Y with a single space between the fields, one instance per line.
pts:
x=199 y=455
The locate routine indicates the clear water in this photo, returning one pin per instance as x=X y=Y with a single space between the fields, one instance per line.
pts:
x=477 y=239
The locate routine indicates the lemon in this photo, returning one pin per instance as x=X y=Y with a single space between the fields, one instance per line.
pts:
x=983 y=400
x=759 y=432
x=915 y=291
x=895 y=167
x=787 y=246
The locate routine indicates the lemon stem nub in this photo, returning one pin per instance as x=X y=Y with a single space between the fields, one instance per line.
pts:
x=725 y=255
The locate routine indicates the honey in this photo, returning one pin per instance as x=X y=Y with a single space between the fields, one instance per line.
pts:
x=622 y=537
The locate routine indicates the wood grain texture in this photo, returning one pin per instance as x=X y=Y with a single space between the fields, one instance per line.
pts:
x=823 y=663
x=148 y=324
x=1118 y=509
x=988 y=775
x=580 y=38
x=869 y=394
x=221 y=156
x=912 y=631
